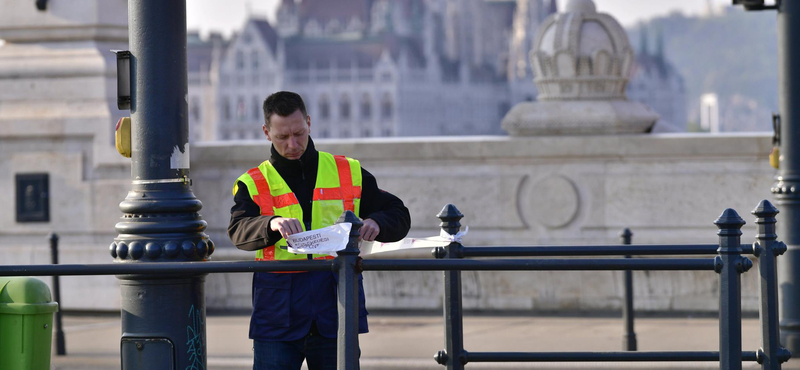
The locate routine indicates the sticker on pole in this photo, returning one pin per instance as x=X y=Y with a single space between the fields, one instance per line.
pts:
x=326 y=240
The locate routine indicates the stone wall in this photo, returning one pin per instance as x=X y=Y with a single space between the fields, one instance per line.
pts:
x=512 y=191
x=526 y=191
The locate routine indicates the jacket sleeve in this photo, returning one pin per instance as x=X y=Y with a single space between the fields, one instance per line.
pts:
x=248 y=229
x=384 y=208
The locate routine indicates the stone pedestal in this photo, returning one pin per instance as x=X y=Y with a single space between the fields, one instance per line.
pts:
x=569 y=117
x=57 y=116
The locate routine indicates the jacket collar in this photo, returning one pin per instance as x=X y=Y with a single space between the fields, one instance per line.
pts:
x=309 y=157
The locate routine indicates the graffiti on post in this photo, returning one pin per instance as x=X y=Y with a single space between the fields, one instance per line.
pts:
x=195 y=333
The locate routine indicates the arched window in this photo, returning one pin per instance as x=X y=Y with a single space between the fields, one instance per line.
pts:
x=254 y=59
x=386 y=107
x=195 y=108
x=324 y=108
x=344 y=107
x=241 y=109
x=366 y=107
x=239 y=60
x=226 y=108
x=256 y=110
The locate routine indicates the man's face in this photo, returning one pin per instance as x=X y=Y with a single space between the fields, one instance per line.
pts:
x=289 y=135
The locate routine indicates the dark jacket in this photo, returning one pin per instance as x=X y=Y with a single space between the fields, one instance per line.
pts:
x=286 y=305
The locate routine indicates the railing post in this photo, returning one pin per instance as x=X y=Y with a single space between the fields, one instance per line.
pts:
x=629 y=340
x=346 y=260
x=767 y=249
x=730 y=264
x=61 y=348
x=453 y=355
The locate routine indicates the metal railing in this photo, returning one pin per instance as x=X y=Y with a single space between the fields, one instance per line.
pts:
x=728 y=263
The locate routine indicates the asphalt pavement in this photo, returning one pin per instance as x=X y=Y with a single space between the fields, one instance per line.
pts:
x=409 y=341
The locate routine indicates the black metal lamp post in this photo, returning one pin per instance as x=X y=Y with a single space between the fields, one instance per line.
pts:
x=788 y=179
x=162 y=316
x=787 y=186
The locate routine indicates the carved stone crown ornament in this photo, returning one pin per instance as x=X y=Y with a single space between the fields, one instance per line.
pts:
x=581 y=61
x=581 y=54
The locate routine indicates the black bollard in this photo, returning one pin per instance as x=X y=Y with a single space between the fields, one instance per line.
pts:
x=767 y=251
x=730 y=265
x=453 y=356
x=346 y=266
x=629 y=339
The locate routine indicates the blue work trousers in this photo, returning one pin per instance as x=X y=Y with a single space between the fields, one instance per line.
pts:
x=318 y=351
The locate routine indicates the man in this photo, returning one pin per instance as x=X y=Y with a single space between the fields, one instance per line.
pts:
x=299 y=188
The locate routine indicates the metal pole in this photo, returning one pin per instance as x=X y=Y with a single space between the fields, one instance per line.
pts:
x=730 y=264
x=61 y=347
x=787 y=182
x=346 y=260
x=629 y=340
x=771 y=349
x=453 y=356
x=163 y=318
x=788 y=179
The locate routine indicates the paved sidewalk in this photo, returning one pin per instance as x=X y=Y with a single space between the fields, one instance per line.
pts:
x=410 y=341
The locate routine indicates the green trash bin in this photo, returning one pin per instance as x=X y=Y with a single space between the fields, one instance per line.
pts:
x=26 y=324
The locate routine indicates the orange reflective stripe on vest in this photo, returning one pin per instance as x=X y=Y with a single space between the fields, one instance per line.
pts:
x=284 y=200
x=264 y=198
x=334 y=193
x=346 y=182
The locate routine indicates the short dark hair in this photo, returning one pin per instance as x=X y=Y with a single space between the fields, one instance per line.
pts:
x=283 y=103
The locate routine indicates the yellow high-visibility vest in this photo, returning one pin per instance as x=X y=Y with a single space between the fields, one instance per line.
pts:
x=338 y=188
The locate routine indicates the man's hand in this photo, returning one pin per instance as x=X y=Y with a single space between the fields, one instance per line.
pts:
x=286 y=226
x=370 y=230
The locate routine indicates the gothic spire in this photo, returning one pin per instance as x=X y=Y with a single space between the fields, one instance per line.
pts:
x=660 y=44
x=643 y=47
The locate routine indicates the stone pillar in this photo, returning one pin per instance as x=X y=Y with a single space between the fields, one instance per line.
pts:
x=57 y=117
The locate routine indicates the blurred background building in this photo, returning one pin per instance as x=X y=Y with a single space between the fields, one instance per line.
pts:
x=655 y=82
x=391 y=68
x=443 y=71
x=370 y=68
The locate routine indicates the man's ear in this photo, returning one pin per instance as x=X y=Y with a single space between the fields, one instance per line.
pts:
x=308 y=122
x=266 y=131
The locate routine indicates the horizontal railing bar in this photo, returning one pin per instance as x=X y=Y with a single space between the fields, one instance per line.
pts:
x=685 y=264
x=599 y=356
x=595 y=250
x=165 y=268
x=180 y=268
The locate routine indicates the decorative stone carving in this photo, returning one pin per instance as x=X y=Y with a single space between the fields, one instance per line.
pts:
x=554 y=201
x=581 y=55
x=582 y=60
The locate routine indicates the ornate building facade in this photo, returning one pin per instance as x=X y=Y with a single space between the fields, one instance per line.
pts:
x=655 y=82
x=376 y=68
